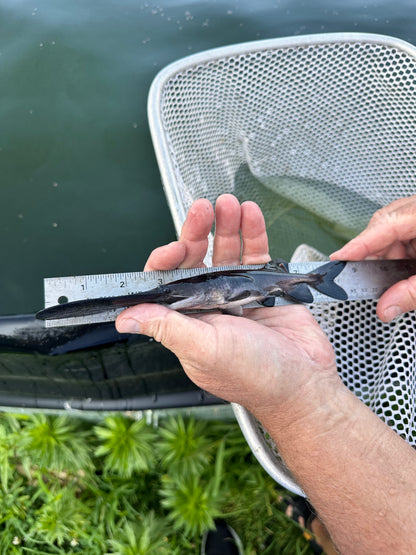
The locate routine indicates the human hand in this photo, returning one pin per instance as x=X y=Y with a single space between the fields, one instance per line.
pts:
x=267 y=359
x=391 y=234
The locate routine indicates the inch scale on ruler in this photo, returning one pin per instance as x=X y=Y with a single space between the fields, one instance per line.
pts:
x=361 y=280
x=61 y=290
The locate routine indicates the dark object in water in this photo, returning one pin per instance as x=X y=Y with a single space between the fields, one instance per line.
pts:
x=228 y=291
x=93 y=368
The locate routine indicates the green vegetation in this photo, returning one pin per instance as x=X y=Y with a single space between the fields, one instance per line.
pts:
x=121 y=486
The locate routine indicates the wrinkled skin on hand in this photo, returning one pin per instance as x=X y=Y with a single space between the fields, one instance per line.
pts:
x=262 y=360
x=390 y=234
x=277 y=362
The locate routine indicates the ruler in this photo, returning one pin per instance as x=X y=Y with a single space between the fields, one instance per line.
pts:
x=366 y=279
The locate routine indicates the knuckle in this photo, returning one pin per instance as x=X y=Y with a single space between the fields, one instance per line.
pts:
x=395 y=211
x=411 y=292
x=162 y=329
x=381 y=216
x=403 y=295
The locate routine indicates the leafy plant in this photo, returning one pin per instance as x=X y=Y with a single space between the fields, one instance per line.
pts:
x=7 y=446
x=55 y=442
x=60 y=519
x=116 y=485
x=146 y=537
x=127 y=445
x=193 y=504
x=184 y=446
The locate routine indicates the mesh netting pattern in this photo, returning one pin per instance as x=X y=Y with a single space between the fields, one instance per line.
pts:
x=377 y=361
x=330 y=126
x=328 y=122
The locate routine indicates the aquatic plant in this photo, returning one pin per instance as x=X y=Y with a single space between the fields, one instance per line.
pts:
x=117 y=485
x=184 y=445
x=126 y=445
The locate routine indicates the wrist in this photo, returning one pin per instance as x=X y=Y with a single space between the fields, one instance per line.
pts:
x=318 y=407
x=354 y=469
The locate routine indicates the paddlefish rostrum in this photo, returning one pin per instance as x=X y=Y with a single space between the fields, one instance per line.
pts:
x=226 y=290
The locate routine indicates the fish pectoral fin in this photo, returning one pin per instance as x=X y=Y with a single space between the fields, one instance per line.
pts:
x=240 y=296
x=268 y=301
x=301 y=293
x=180 y=303
x=233 y=311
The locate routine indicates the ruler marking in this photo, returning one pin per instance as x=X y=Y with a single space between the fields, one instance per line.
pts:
x=361 y=280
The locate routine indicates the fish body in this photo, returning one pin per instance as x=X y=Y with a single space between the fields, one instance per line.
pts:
x=228 y=291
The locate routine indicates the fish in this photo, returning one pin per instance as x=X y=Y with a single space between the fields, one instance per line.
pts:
x=225 y=290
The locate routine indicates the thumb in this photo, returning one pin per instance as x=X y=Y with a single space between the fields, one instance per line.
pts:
x=399 y=298
x=189 y=338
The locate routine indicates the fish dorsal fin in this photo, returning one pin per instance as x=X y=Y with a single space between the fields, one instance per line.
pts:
x=277 y=264
x=301 y=293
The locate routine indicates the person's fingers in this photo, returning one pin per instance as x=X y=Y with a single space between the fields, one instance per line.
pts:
x=227 y=239
x=391 y=233
x=166 y=326
x=194 y=341
x=190 y=250
x=195 y=231
x=398 y=299
x=372 y=242
x=253 y=234
x=240 y=236
x=393 y=224
x=166 y=257
x=395 y=251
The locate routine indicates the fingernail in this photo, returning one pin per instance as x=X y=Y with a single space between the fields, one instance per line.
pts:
x=128 y=325
x=392 y=312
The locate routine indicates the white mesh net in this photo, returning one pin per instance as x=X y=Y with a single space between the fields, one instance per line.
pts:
x=377 y=361
x=320 y=131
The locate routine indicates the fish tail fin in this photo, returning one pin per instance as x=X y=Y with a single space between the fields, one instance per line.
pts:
x=327 y=286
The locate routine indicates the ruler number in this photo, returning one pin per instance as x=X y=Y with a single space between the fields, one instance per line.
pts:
x=122 y=284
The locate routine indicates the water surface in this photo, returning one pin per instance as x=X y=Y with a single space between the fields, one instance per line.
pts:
x=80 y=190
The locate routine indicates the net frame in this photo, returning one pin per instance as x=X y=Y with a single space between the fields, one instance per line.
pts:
x=343 y=107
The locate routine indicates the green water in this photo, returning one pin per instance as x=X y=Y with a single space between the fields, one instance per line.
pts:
x=288 y=224
x=80 y=190
x=292 y=221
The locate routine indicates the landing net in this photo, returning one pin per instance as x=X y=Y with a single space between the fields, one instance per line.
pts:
x=322 y=123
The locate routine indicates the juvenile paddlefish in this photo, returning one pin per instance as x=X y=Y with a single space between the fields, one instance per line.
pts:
x=226 y=290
